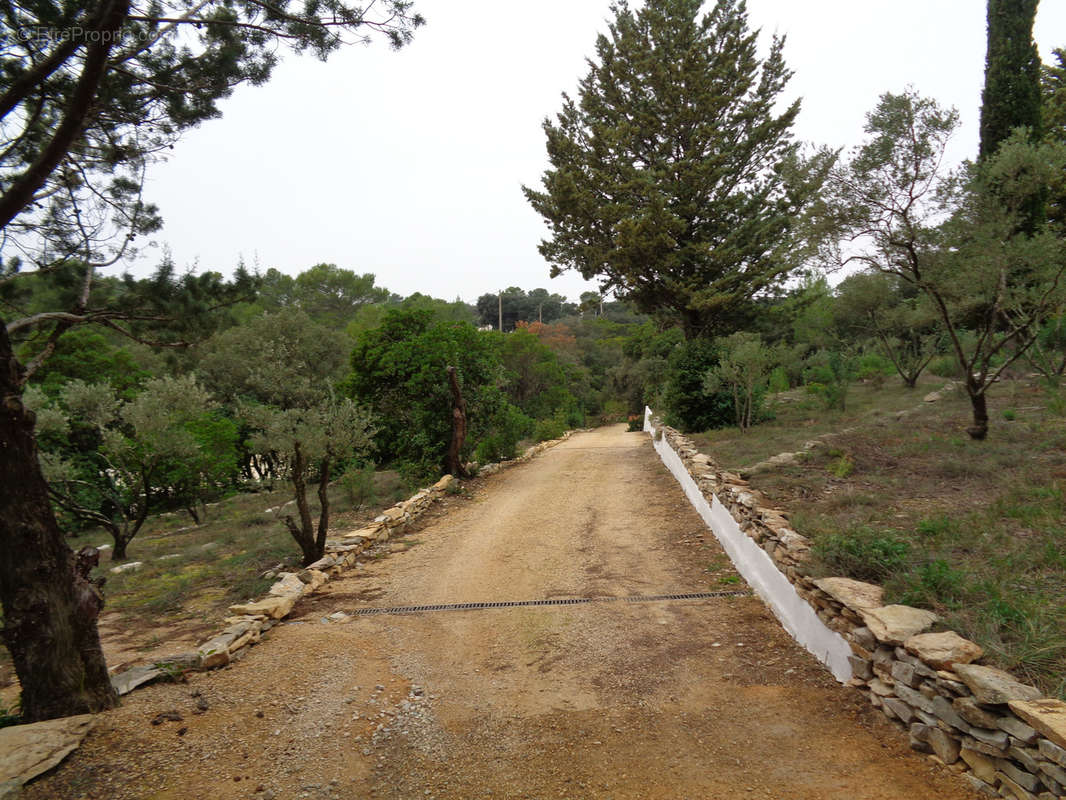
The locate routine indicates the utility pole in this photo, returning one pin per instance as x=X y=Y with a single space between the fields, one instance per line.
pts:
x=501 y=310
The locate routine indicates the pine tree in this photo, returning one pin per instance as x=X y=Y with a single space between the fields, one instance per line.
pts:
x=672 y=180
x=1011 y=97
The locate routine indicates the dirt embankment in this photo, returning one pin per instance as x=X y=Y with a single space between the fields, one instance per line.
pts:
x=675 y=699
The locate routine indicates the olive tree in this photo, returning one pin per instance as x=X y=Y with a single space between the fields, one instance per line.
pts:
x=956 y=237
x=168 y=444
x=308 y=442
x=744 y=365
x=278 y=371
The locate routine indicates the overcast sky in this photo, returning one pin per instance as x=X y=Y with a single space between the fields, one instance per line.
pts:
x=409 y=164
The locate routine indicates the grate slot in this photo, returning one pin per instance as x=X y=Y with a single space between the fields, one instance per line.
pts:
x=560 y=601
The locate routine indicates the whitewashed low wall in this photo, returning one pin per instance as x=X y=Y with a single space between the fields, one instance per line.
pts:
x=1001 y=736
x=795 y=615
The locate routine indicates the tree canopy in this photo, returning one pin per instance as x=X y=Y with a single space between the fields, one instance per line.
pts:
x=538 y=305
x=674 y=177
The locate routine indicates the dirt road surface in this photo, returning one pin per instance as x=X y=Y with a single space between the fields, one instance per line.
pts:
x=670 y=699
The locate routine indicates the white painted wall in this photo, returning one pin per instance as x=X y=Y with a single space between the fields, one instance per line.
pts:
x=758 y=569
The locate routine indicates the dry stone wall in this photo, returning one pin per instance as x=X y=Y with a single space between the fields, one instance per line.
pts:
x=249 y=621
x=1000 y=735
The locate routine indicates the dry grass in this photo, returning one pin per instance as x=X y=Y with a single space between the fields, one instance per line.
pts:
x=974 y=530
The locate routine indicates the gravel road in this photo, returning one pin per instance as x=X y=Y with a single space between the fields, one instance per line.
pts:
x=669 y=699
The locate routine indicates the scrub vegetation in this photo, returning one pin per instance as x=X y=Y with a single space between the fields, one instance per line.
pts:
x=757 y=291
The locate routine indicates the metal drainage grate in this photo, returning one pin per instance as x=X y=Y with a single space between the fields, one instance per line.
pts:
x=563 y=601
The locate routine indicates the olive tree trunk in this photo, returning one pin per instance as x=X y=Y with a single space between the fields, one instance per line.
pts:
x=979 y=429
x=303 y=532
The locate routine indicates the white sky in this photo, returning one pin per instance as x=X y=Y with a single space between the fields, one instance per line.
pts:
x=409 y=164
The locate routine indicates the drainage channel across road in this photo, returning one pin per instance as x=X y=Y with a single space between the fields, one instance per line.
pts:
x=559 y=601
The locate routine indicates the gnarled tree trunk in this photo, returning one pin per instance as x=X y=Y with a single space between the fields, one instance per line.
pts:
x=979 y=429
x=454 y=464
x=323 y=507
x=50 y=608
x=303 y=532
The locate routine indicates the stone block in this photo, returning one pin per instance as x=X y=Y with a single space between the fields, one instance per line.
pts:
x=994 y=686
x=979 y=786
x=860 y=668
x=856 y=595
x=28 y=750
x=1045 y=715
x=904 y=713
x=955 y=688
x=916 y=699
x=983 y=747
x=997 y=738
x=1029 y=759
x=1031 y=783
x=969 y=710
x=945 y=711
x=1052 y=752
x=880 y=688
x=919 y=731
x=983 y=765
x=1017 y=729
x=272 y=607
x=903 y=672
x=287 y=584
x=215 y=652
x=126 y=682
x=894 y=624
x=1009 y=788
x=945 y=745
x=864 y=638
x=943 y=650
x=1053 y=772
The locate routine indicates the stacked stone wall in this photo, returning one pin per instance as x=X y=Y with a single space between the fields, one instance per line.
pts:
x=1000 y=735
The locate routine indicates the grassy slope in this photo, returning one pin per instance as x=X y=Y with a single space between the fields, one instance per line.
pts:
x=973 y=530
x=199 y=571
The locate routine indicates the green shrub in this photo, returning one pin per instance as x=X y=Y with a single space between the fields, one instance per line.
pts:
x=1009 y=414
x=842 y=466
x=873 y=369
x=551 y=428
x=358 y=485
x=509 y=426
x=936 y=527
x=863 y=553
x=945 y=367
x=778 y=380
x=933 y=583
x=688 y=407
x=827 y=375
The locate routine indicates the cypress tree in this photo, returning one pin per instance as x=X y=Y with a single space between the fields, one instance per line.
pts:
x=1011 y=96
